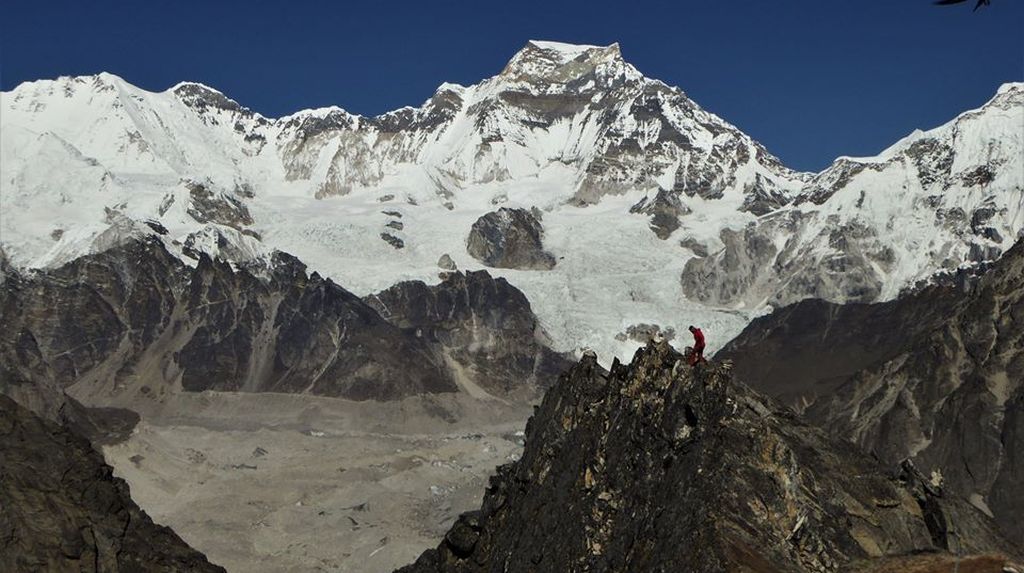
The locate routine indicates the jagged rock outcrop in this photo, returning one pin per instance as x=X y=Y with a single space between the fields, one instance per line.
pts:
x=655 y=466
x=484 y=325
x=762 y=196
x=935 y=376
x=509 y=239
x=135 y=319
x=752 y=269
x=61 y=508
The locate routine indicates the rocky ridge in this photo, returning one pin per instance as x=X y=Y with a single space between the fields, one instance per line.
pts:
x=493 y=131
x=654 y=466
x=957 y=193
x=934 y=376
x=133 y=323
x=482 y=324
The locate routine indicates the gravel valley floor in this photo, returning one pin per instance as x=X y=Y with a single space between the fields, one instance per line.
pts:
x=275 y=483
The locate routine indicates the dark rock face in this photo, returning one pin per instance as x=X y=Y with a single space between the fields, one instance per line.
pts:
x=392 y=240
x=935 y=376
x=298 y=333
x=446 y=263
x=31 y=383
x=29 y=380
x=665 y=210
x=752 y=269
x=207 y=206
x=510 y=239
x=763 y=196
x=61 y=509
x=202 y=98
x=658 y=467
x=136 y=319
x=732 y=272
x=483 y=325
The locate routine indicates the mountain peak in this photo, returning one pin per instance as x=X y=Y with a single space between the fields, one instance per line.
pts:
x=1009 y=94
x=1011 y=86
x=201 y=97
x=558 y=62
x=572 y=51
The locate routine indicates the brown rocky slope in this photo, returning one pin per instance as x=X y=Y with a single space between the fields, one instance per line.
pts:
x=935 y=376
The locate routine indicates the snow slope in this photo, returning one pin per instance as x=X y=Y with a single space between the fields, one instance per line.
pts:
x=574 y=131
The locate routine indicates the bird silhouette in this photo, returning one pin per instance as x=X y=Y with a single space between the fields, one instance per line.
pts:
x=976 y=6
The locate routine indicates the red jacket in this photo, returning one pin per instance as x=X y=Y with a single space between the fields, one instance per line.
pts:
x=698 y=338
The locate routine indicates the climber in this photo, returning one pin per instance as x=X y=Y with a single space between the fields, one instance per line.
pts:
x=698 y=346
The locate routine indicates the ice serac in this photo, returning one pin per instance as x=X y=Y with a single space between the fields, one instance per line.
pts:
x=484 y=326
x=934 y=376
x=61 y=508
x=654 y=466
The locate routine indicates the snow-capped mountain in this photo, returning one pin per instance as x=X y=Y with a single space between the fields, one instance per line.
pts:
x=865 y=228
x=600 y=154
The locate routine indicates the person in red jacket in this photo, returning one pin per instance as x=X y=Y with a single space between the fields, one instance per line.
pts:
x=698 y=346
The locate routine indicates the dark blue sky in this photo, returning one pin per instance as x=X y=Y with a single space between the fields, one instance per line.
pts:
x=811 y=79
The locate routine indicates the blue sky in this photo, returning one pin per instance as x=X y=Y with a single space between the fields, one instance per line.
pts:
x=811 y=79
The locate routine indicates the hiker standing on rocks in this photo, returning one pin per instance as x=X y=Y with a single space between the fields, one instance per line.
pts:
x=698 y=346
